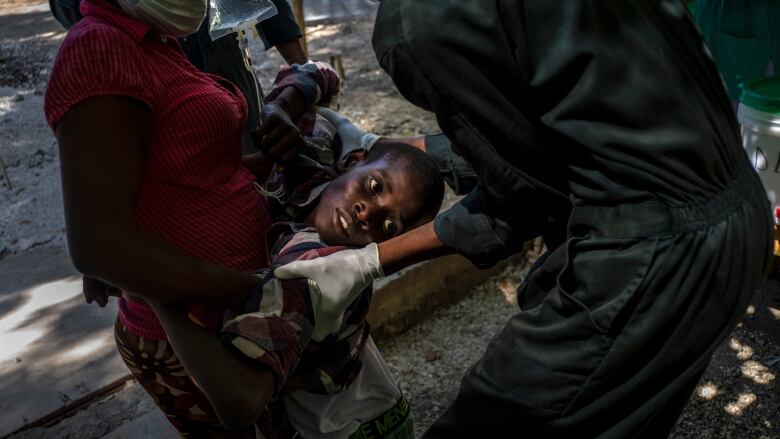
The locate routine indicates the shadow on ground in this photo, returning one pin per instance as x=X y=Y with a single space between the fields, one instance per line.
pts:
x=56 y=349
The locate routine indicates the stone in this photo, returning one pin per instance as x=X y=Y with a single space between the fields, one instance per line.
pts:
x=431 y=356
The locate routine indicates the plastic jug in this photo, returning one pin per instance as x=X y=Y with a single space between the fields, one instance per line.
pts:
x=759 y=114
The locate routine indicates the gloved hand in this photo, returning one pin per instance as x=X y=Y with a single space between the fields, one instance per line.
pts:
x=351 y=136
x=335 y=281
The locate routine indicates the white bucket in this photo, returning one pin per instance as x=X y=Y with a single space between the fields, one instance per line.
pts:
x=761 y=139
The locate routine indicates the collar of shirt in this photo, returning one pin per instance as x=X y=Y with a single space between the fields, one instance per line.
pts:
x=115 y=16
x=314 y=194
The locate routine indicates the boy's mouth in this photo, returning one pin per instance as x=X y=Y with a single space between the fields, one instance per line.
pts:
x=343 y=220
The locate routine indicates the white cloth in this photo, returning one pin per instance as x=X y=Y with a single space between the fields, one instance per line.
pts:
x=337 y=416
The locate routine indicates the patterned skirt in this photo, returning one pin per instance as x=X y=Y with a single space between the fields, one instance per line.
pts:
x=159 y=371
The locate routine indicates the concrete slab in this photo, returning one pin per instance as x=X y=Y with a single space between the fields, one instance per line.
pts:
x=55 y=348
x=128 y=404
x=412 y=295
x=153 y=424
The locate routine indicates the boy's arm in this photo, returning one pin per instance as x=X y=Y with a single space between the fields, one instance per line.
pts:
x=238 y=391
x=296 y=89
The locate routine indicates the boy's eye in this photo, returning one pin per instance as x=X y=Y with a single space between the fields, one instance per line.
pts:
x=374 y=185
x=390 y=227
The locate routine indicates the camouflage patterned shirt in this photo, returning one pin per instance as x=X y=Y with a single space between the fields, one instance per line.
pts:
x=274 y=329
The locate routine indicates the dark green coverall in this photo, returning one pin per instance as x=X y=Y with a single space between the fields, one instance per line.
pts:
x=604 y=124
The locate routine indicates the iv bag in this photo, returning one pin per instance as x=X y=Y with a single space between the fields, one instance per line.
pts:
x=228 y=16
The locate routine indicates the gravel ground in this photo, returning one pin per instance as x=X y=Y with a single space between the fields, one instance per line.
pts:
x=430 y=359
x=31 y=204
x=738 y=396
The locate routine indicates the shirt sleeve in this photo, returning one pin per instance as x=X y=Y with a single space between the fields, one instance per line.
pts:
x=94 y=61
x=317 y=81
x=275 y=327
x=457 y=172
x=484 y=233
x=277 y=320
x=279 y=28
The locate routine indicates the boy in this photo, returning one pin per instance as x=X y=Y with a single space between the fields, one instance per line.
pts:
x=377 y=198
x=332 y=384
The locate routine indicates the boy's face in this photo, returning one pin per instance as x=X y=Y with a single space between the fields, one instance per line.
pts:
x=369 y=203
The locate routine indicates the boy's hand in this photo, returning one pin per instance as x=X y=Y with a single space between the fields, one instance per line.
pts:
x=352 y=137
x=280 y=139
x=335 y=281
x=278 y=136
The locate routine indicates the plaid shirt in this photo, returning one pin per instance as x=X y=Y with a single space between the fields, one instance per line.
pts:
x=275 y=326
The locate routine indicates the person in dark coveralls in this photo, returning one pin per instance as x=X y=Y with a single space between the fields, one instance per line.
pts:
x=605 y=127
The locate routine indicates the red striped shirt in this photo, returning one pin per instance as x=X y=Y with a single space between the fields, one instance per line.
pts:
x=194 y=193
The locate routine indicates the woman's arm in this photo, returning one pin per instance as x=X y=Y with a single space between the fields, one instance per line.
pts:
x=292 y=51
x=103 y=151
x=238 y=391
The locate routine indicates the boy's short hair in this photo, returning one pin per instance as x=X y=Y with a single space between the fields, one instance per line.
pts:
x=428 y=180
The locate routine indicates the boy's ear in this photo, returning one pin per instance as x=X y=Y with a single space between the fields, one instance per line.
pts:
x=351 y=159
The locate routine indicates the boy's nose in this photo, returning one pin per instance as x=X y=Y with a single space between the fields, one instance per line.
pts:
x=362 y=215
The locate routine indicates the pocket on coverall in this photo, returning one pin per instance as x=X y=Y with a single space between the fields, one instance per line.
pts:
x=571 y=305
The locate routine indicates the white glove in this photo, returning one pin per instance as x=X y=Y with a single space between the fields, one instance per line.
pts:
x=351 y=136
x=335 y=281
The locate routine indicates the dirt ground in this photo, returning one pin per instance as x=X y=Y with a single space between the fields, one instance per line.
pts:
x=11 y=4
x=737 y=398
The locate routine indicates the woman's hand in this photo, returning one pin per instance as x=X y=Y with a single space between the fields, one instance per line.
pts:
x=238 y=391
x=258 y=164
x=95 y=290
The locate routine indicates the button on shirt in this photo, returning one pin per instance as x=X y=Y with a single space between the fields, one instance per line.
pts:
x=194 y=193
